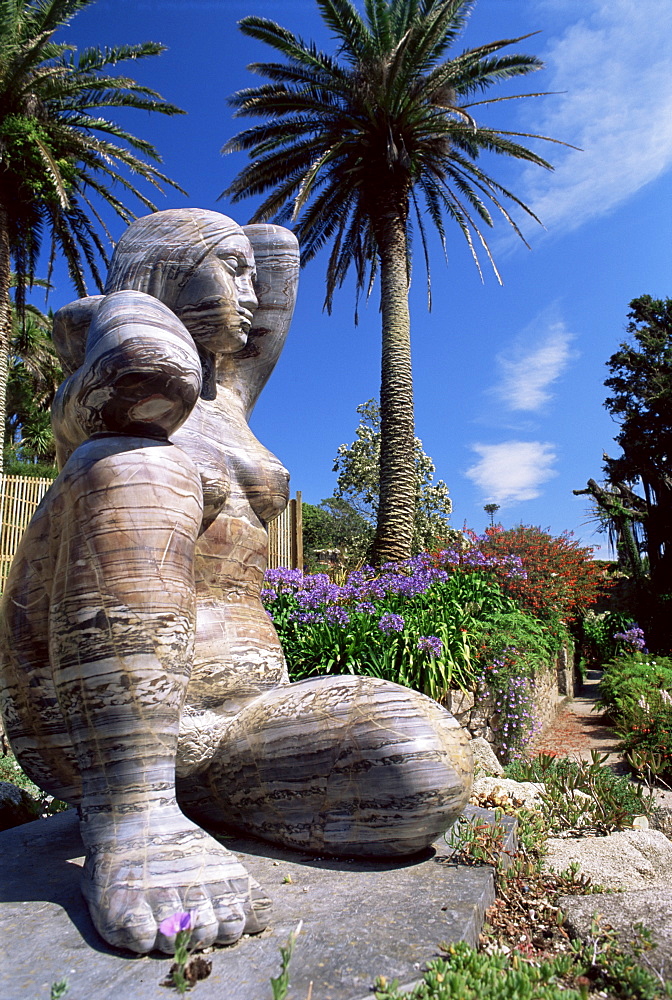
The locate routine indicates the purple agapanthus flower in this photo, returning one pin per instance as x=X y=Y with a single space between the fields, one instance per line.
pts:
x=366 y=607
x=306 y=617
x=430 y=644
x=284 y=578
x=180 y=921
x=391 y=623
x=336 y=616
x=633 y=636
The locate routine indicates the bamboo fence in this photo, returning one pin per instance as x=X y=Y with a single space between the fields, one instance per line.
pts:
x=20 y=497
x=285 y=537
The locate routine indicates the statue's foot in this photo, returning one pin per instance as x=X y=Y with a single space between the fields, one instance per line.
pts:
x=143 y=867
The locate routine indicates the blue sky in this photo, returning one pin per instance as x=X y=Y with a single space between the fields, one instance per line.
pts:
x=508 y=379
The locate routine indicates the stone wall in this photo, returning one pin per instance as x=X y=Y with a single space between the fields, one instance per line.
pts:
x=552 y=686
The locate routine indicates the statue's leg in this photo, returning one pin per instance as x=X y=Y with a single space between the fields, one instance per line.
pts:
x=122 y=624
x=31 y=713
x=337 y=765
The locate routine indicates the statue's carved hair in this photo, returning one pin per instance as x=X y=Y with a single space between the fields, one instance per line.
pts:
x=159 y=253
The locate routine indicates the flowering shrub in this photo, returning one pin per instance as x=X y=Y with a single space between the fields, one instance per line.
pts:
x=597 y=635
x=472 y=557
x=508 y=680
x=514 y=649
x=636 y=689
x=553 y=578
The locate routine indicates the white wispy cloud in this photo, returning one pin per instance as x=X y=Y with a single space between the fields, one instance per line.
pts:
x=528 y=371
x=513 y=470
x=613 y=64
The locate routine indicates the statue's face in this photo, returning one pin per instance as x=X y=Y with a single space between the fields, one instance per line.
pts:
x=218 y=302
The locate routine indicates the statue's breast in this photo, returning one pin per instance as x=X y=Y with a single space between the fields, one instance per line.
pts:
x=238 y=473
x=263 y=481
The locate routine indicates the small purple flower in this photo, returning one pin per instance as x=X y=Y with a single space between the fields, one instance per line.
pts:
x=284 y=578
x=391 y=623
x=306 y=617
x=173 y=925
x=336 y=616
x=365 y=607
x=430 y=644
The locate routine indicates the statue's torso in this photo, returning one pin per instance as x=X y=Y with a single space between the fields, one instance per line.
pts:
x=244 y=486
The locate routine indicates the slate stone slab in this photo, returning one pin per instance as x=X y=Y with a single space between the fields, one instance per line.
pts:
x=360 y=920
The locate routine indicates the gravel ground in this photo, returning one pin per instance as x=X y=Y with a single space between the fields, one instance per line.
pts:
x=579 y=727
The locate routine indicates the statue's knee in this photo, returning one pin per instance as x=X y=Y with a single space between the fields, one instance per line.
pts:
x=345 y=765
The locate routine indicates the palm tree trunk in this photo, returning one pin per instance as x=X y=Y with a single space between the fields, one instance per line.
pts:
x=5 y=323
x=396 y=507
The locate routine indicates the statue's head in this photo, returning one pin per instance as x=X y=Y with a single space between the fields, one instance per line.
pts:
x=198 y=263
x=186 y=258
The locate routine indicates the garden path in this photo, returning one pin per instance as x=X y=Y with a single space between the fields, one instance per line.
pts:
x=579 y=727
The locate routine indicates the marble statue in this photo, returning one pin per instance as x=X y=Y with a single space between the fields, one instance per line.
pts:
x=142 y=679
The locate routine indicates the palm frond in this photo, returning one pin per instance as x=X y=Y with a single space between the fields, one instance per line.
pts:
x=62 y=156
x=348 y=27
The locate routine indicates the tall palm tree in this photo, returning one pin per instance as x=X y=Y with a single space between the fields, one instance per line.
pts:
x=58 y=155
x=354 y=146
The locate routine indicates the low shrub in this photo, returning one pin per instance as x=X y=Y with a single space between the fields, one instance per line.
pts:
x=601 y=966
x=629 y=681
x=582 y=796
x=465 y=974
x=597 y=634
x=636 y=690
x=11 y=771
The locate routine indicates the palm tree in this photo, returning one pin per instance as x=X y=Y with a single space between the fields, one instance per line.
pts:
x=34 y=375
x=58 y=156
x=353 y=146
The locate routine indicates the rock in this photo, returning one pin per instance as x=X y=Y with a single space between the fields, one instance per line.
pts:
x=459 y=703
x=526 y=792
x=629 y=859
x=485 y=760
x=650 y=907
x=661 y=819
x=16 y=806
x=661 y=815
